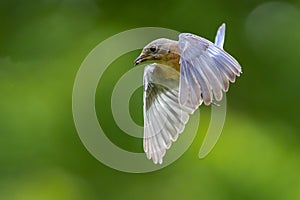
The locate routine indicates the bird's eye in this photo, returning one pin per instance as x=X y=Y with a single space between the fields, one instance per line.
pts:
x=153 y=49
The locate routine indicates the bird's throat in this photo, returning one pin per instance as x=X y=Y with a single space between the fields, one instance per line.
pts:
x=172 y=60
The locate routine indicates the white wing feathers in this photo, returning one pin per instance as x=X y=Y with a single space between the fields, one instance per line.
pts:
x=205 y=69
x=164 y=118
x=220 y=36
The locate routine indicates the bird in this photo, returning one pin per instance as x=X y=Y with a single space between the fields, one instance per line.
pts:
x=182 y=75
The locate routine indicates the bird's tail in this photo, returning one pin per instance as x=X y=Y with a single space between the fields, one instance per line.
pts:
x=220 y=37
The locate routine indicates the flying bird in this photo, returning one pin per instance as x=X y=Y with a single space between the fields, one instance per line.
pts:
x=184 y=74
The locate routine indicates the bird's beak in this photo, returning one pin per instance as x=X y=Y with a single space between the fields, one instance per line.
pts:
x=141 y=59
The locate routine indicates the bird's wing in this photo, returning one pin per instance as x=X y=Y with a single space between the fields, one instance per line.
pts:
x=205 y=69
x=164 y=117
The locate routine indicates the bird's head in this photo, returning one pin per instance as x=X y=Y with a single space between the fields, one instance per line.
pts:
x=158 y=51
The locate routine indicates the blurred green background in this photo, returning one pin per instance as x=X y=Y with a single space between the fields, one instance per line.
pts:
x=43 y=43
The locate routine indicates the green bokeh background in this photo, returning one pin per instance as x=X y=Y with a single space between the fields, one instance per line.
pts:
x=43 y=43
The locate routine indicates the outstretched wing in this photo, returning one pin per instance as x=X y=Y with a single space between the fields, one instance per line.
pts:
x=164 y=117
x=205 y=69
